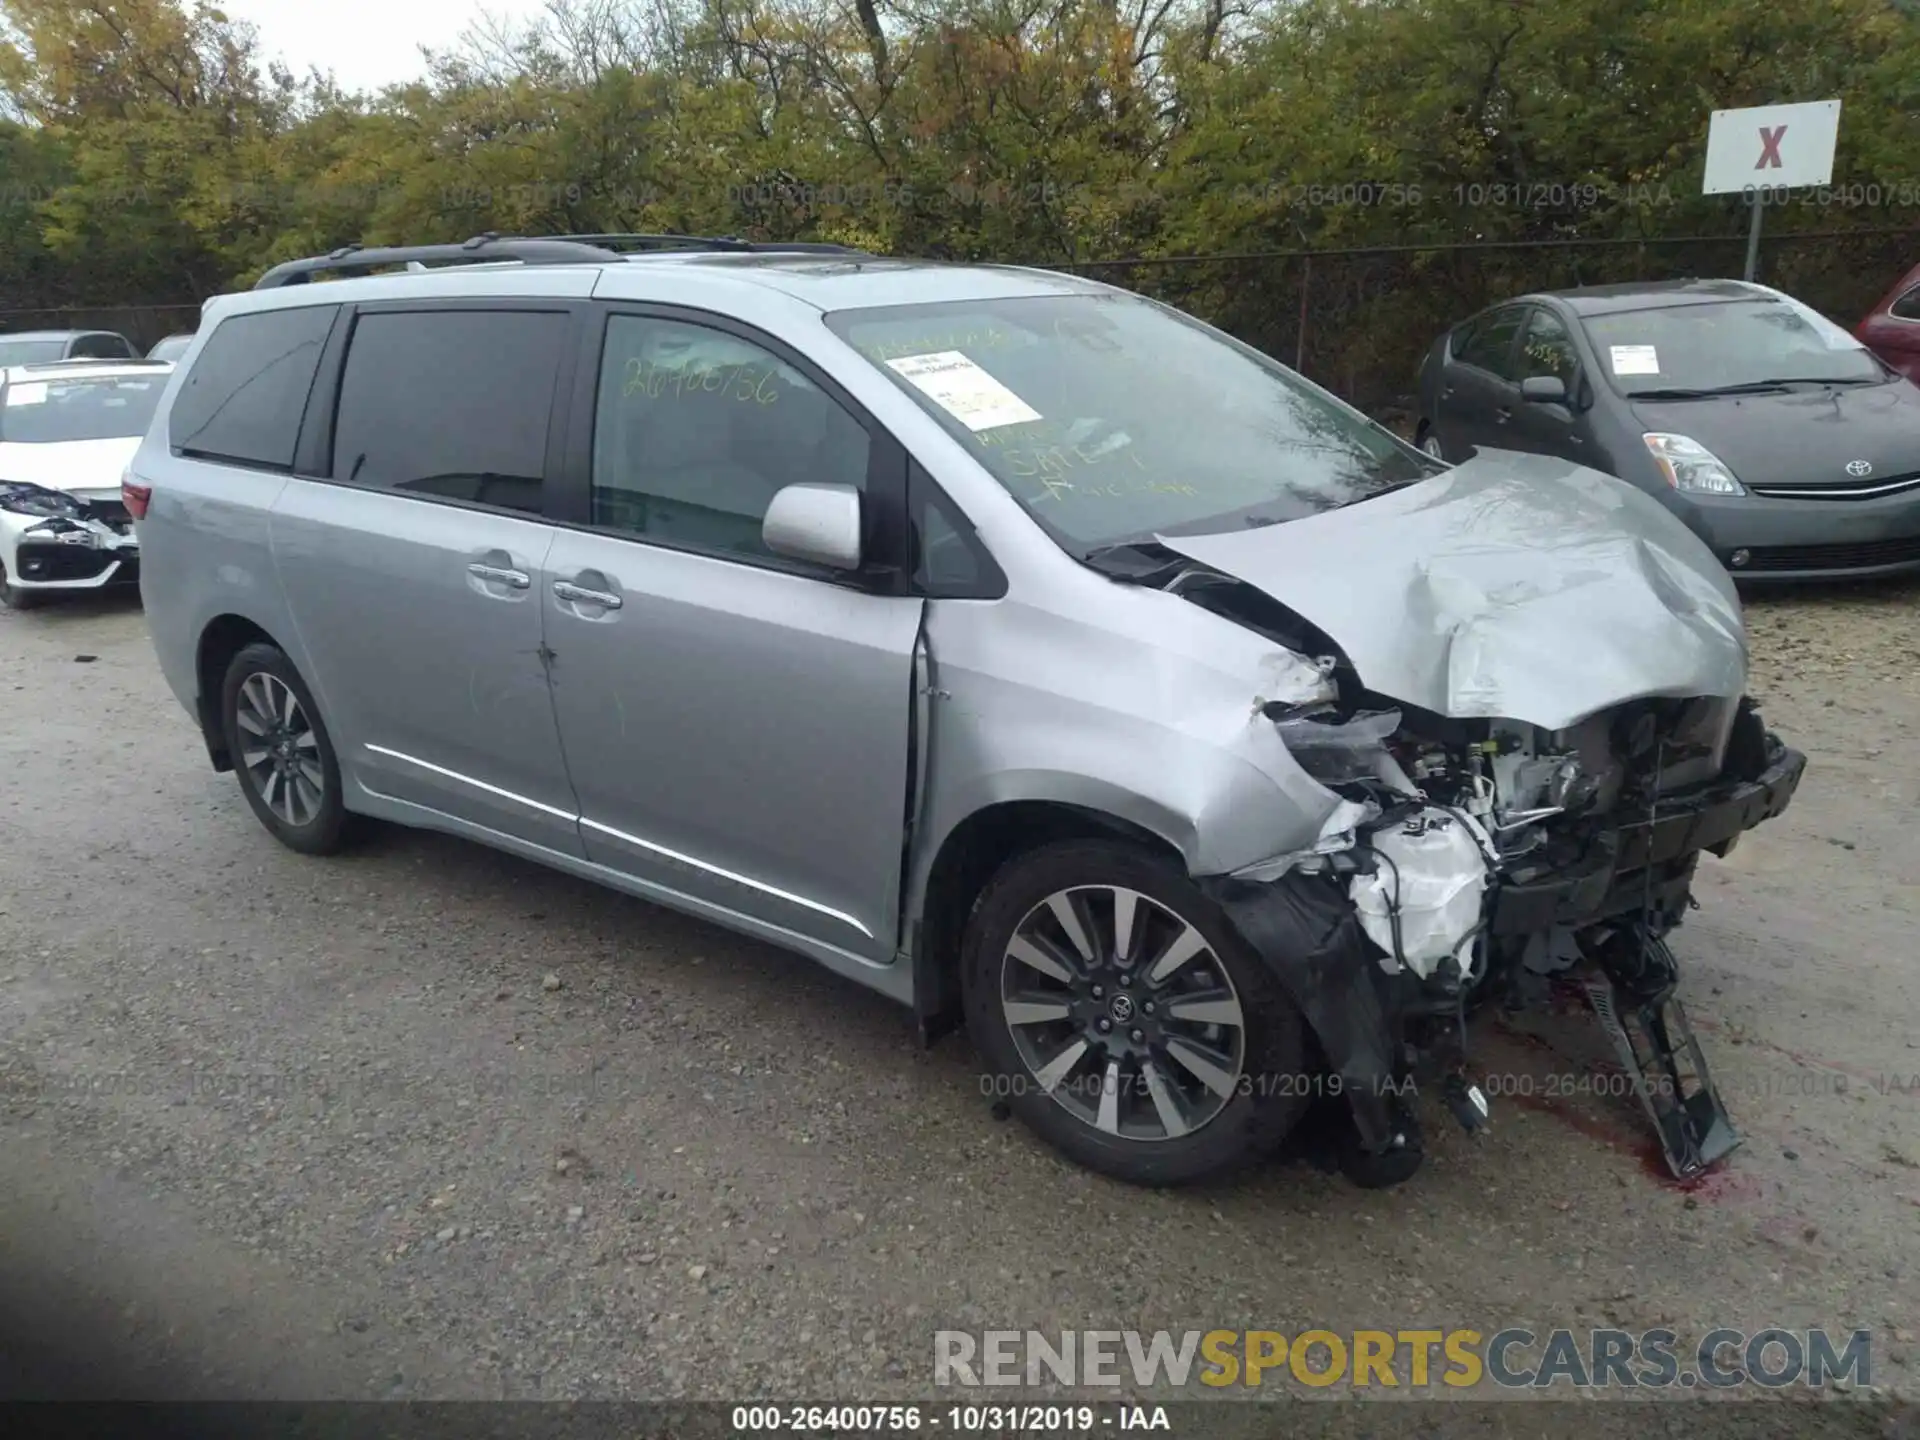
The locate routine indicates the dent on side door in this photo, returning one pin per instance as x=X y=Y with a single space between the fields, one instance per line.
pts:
x=432 y=669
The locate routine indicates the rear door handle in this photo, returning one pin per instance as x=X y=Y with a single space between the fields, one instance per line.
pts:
x=1502 y=415
x=500 y=574
x=581 y=595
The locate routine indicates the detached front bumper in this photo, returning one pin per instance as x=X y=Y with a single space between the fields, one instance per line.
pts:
x=1613 y=877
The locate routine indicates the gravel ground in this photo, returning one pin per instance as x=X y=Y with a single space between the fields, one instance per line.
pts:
x=426 y=1121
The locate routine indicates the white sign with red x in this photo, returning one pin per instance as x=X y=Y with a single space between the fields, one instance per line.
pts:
x=1770 y=146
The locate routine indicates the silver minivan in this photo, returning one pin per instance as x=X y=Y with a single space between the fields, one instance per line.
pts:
x=1012 y=644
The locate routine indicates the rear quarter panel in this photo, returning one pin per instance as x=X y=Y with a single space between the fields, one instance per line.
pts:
x=205 y=551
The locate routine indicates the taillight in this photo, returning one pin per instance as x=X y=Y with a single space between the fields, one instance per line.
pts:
x=135 y=497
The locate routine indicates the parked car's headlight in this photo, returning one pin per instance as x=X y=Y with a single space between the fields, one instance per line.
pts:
x=25 y=499
x=1690 y=467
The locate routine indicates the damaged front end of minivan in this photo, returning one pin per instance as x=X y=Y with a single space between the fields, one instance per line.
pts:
x=1534 y=733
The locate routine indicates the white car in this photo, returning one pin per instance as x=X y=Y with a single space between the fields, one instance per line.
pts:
x=67 y=431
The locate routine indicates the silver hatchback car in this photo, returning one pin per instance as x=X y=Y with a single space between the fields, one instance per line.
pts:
x=1012 y=644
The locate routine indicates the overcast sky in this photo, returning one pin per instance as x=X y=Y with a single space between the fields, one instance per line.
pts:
x=365 y=43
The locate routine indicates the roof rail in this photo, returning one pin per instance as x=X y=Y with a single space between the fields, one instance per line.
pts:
x=525 y=250
x=636 y=241
x=356 y=260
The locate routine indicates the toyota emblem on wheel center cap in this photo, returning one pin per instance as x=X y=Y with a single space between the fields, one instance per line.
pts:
x=1857 y=468
x=1121 y=1008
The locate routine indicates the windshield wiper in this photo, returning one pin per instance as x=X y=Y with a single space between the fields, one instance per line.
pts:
x=1826 y=380
x=1751 y=387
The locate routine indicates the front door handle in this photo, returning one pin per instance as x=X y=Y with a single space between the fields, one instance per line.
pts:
x=1502 y=415
x=500 y=574
x=581 y=595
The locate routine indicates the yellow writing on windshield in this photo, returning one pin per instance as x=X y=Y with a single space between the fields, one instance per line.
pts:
x=747 y=383
x=1053 y=487
x=1058 y=460
x=962 y=340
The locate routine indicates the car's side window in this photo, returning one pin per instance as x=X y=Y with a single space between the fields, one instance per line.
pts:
x=696 y=429
x=1907 y=307
x=1490 y=346
x=949 y=562
x=452 y=404
x=1547 y=349
x=243 y=398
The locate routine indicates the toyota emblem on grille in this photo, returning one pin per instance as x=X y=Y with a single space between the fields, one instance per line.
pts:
x=1859 y=468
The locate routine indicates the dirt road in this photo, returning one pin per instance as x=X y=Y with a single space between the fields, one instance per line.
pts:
x=428 y=1121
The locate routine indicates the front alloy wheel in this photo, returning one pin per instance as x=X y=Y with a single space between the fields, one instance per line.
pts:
x=1121 y=1016
x=1122 y=1013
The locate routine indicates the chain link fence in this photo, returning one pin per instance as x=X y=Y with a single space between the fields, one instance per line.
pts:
x=144 y=325
x=1360 y=321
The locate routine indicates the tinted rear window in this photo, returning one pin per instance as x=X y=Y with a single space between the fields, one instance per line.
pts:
x=244 y=396
x=450 y=403
x=102 y=346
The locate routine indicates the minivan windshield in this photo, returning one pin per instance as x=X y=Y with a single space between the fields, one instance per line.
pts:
x=96 y=407
x=1112 y=418
x=1727 y=345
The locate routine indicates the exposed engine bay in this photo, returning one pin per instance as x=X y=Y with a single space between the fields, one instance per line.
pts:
x=1485 y=859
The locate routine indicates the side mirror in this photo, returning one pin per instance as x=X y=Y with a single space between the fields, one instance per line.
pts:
x=1543 y=390
x=816 y=523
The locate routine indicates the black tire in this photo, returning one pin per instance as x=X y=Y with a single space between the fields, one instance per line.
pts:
x=13 y=597
x=1268 y=1095
x=321 y=828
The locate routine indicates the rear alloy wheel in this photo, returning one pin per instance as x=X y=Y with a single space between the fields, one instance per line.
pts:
x=281 y=751
x=1124 y=1019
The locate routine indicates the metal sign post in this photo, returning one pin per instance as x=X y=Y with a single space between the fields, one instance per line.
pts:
x=1765 y=151
x=1752 y=271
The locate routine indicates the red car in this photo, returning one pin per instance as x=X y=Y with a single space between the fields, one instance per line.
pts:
x=1892 y=330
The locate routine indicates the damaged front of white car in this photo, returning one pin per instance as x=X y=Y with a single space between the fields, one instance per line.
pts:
x=1308 y=748
x=67 y=432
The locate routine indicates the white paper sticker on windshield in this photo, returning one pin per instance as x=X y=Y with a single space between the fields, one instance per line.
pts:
x=964 y=390
x=32 y=393
x=1635 y=360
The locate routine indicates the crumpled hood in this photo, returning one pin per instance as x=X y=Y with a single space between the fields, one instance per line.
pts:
x=1512 y=586
x=90 y=468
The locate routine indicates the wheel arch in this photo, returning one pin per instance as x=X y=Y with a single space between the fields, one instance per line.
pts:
x=221 y=638
x=976 y=849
